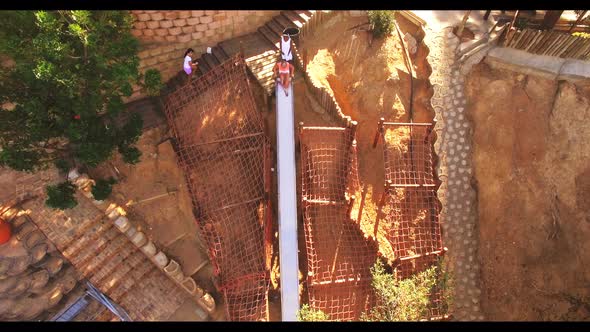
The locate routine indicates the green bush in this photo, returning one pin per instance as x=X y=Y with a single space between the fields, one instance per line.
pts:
x=407 y=299
x=581 y=34
x=152 y=82
x=130 y=155
x=61 y=196
x=382 y=22
x=103 y=188
x=62 y=165
x=308 y=314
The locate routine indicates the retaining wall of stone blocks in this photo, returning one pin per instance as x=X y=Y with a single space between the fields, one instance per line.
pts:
x=166 y=34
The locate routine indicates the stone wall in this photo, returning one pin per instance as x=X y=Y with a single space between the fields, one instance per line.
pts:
x=165 y=35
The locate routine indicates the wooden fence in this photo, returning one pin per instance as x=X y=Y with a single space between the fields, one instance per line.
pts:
x=551 y=43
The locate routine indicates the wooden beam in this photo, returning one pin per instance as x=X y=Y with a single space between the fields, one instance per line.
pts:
x=551 y=17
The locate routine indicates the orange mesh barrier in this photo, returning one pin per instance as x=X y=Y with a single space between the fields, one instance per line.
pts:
x=225 y=156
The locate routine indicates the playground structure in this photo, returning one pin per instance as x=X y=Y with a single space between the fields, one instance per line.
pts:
x=225 y=154
x=412 y=218
x=339 y=257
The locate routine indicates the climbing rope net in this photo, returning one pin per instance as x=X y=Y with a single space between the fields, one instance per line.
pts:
x=339 y=257
x=225 y=153
x=411 y=220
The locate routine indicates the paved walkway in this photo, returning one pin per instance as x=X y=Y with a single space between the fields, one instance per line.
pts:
x=454 y=146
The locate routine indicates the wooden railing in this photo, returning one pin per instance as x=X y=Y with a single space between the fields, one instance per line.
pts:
x=551 y=43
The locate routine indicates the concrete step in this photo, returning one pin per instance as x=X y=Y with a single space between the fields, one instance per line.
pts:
x=269 y=35
x=90 y=248
x=304 y=14
x=284 y=22
x=276 y=29
x=116 y=262
x=293 y=18
x=104 y=255
x=117 y=278
x=82 y=241
x=219 y=54
x=211 y=61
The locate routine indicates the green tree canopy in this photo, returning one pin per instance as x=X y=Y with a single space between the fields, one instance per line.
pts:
x=62 y=82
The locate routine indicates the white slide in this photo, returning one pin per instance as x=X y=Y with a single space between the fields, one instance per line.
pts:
x=289 y=262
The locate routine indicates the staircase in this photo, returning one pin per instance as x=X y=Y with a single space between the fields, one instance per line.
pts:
x=260 y=50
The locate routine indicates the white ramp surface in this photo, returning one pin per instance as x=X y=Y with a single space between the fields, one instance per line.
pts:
x=289 y=263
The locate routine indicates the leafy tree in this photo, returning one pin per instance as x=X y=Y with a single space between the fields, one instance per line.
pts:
x=103 y=188
x=382 y=22
x=63 y=78
x=308 y=314
x=61 y=196
x=408 y=299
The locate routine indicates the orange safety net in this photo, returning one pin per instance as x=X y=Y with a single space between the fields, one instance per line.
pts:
x=412 y=209
x=339 y=257
x=224 y=152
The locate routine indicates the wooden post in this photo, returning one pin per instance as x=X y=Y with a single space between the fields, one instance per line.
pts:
x=350 y=204
x=487 y=15
x=379 y=132
x=362 y=205
x=550 y=19
x=461 y=26
x=578 y=21
x=305 y=60
x=513 y=20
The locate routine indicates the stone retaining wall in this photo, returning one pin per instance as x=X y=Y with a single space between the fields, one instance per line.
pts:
x=166 y=34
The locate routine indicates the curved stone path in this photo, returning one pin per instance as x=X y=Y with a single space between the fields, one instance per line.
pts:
x=456 y=193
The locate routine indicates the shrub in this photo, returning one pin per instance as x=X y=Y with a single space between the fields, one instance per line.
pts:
x=308 y=314
x=152 y=82
x=103 y=188
x=408 y=299
x=62 y=165
x=61 y=196
x=382 y=22
x=130 y=155
x=581 y=34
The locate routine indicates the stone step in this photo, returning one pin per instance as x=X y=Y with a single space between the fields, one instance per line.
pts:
x=293 y=18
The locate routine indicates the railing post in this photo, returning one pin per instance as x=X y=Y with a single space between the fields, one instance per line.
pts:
x=350 y=204
x=305 y=60
x=379 y=132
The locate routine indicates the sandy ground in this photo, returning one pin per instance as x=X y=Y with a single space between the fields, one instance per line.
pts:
x=370 y=81
x=531 y=165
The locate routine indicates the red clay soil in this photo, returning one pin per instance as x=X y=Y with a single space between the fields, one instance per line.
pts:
x=370 y=81
x=531 y=165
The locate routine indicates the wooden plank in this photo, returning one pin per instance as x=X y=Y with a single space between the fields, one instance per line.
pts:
x=555 y=45
x=542 y=42
x=567 y=43
x=516 y=39
x=583 y=50
x=528 y=39
x=536 y=38
x=573 y=48
x=554 y=40
x=523 y=42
